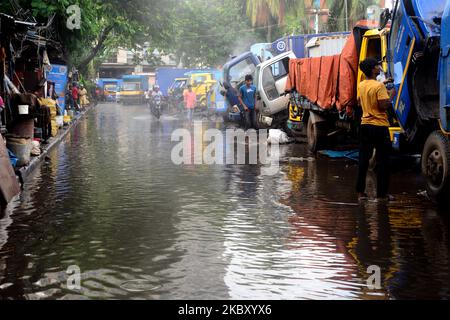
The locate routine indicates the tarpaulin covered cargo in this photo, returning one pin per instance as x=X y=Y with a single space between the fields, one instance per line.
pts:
x=348 y=73
x=329 y=71
x=327 y=81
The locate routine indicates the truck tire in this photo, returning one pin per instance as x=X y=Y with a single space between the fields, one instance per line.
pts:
x=316 y=135
x=436 y=167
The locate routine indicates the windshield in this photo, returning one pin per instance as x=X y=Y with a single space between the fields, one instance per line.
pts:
x=111 y=87
x=179 y=84
x=131 y=86
x=240 y=70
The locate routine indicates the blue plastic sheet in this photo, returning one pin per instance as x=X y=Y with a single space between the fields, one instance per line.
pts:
x=12 y=158
x=352 y=154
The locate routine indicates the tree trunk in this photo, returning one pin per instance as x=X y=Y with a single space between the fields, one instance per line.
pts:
x=82 y=66
x=269 y=33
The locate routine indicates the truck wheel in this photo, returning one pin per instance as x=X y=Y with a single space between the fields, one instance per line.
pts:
x=435 y=167
x=316 y=135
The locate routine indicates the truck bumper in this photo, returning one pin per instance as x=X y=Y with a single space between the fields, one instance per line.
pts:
x=295 y=125
x=131 y=99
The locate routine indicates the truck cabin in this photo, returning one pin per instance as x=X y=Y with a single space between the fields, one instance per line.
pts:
x=131 y=86
x=271 y=77
x=373 y=45
x=414 y=44
x=234 y=71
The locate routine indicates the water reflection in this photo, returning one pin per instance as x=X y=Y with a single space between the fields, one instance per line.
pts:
x=110 y=201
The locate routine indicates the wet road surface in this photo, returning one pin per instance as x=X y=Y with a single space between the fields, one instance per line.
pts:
x=110 y=201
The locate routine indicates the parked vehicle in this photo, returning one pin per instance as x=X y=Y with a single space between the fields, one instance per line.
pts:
x=271 y=75
x=234 y=72
x=176 y=93
x=108 y=88
x=166 y=77
x=110 y=92
x=324 y=88
x=419 y=63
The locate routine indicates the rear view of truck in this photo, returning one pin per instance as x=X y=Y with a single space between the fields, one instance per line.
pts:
x=133 y=89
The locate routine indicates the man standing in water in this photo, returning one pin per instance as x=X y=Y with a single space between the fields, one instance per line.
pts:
x=247 y=98
x=375 y=100
x=190 y=99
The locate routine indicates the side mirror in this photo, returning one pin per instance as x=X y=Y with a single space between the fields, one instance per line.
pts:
x=385 y=17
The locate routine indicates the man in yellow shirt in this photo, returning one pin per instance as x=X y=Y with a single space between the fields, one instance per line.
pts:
x=374 y=100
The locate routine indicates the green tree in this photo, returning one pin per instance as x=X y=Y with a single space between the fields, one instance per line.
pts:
x=104 y=23
x=206 y=32
x=356 y=11
x=286 y=16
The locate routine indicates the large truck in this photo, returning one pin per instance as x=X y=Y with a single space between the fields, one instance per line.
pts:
x=271 y=75
x=133 y=89
x=419 y=63
x=415 y=52
x=323 y=89
x=165 y=77
x=108 y=88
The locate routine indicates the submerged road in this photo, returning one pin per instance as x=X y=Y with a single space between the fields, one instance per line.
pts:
x=109 y=201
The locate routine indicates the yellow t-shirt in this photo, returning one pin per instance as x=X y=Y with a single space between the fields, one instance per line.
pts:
x=369 y=93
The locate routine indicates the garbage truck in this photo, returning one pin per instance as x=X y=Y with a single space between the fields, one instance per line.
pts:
x=413 y=44
x=419 y=63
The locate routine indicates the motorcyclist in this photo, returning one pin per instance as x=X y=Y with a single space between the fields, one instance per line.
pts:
x=156 y=100
x=157 y=92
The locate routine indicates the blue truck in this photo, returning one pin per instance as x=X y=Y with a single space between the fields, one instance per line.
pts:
x=419 y=62
x=108 y=88
x=165 y=77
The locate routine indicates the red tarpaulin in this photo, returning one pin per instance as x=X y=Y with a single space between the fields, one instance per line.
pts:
x=348 y=72
x=327 y=81
x=329 y=70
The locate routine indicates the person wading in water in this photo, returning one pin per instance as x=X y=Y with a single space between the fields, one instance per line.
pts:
x=375 y=101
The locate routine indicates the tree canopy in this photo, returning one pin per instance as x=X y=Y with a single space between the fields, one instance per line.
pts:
x=195 y=32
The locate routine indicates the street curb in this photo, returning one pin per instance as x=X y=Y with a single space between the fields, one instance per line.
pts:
x=28 y=170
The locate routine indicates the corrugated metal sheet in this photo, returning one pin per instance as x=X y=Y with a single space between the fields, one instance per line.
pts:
x=326 y=46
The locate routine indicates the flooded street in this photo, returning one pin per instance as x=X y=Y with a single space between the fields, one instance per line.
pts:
x=110 y=201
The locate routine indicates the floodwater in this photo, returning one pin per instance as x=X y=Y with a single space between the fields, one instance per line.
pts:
x=110 y=201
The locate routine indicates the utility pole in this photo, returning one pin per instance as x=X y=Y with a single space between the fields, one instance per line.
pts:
x=317 y=12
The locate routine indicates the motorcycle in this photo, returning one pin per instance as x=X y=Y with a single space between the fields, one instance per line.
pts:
x=154 y=103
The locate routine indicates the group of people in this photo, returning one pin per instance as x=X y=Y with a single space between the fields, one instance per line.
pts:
x=77 y=96
x=244 y=100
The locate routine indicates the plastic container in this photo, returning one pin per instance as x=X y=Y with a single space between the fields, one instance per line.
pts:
x=12 y=158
